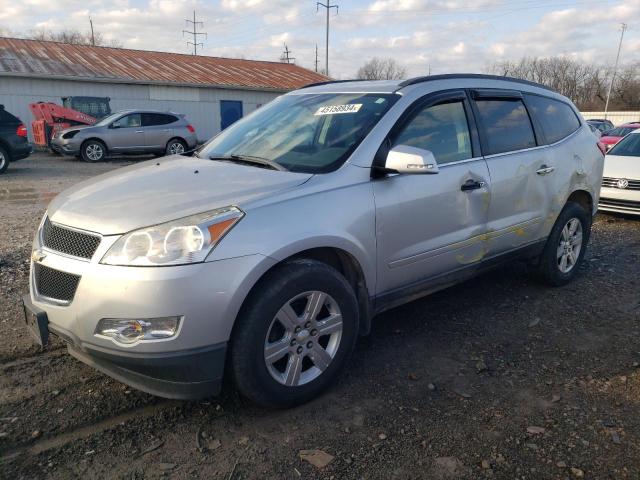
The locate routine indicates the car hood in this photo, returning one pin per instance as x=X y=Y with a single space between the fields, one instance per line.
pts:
x=161 y=190
x=622 y=167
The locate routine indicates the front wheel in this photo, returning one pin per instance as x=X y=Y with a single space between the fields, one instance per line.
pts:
x=566 y=246
x=93 y=151
x=294 y=335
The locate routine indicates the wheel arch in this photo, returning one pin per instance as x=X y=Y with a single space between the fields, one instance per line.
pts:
x=582 y=198
x=344 y=262
x=94 y=139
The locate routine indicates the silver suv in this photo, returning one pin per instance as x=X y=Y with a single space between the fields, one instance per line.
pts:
x=270 y=251
x=128 y=132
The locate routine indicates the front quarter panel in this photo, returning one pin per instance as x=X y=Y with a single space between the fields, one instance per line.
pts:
x=313 y=216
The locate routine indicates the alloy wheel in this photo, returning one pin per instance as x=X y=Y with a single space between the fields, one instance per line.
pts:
x=303 y=338
x=570 y=245
x=94 y=152
x=176 y=148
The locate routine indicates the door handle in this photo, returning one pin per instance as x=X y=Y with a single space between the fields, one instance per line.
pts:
x=545 y=170
x=139 y=131
x=471 y=185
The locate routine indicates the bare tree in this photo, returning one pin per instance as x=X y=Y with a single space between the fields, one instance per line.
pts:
x=586 y=84
x=381 y=69
x=74 y=37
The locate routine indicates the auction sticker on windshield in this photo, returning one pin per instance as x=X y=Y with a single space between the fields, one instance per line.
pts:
x=334 y=109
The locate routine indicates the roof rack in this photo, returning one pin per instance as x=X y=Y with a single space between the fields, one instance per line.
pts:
x=331 y=81
x=449 y=76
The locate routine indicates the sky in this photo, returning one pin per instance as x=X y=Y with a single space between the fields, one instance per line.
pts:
x=437 y=36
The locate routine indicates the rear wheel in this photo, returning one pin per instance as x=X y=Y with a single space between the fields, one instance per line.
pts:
x=93 y=151
x=176 y=147
x=566 y=246
x=4 y=160
x=294 y=334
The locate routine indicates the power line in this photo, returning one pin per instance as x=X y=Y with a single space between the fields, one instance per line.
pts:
x=328 y=7
x=615 y=69
x=195 y=33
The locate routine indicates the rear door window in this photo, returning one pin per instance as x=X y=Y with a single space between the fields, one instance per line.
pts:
x=505 y=125
x=153 y=119
x=556 y=118
x=442 y=129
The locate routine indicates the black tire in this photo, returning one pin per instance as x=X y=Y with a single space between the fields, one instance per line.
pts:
x=247 y=353
x=175 y=146
x=4 y=160
x=93 y=151
x=549 y=268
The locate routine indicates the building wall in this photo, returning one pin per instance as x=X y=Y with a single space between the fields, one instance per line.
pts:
x=616 y=117
x=201 y=105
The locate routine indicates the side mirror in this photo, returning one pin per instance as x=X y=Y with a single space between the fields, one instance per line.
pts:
x=406 y=159
x=114 y=125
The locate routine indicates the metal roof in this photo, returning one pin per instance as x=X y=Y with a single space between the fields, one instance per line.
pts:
x=35 y=58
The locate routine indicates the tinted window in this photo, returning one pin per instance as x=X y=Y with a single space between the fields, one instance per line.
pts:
x=628 y=146
x=620 y=131
x=151 y=119
x=128 y=121
x=557 y=119
x=442 y=129
x=506 y=125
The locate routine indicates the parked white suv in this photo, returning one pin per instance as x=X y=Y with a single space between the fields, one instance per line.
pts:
x=271 y=250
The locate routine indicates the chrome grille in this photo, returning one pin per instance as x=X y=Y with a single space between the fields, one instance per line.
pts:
x=55 y=284
x=613 y=183
x=68 y=241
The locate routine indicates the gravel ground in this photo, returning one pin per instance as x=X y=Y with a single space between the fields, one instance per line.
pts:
x=498 y=377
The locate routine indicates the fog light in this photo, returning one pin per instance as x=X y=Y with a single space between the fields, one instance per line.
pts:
x=130 y=330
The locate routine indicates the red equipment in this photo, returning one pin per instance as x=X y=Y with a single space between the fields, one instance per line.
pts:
x=50 y=118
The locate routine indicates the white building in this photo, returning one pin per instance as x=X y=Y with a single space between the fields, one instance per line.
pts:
x=213 y=92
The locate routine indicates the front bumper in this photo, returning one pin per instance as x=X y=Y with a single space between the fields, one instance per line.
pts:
x=206 y=295
x=183 y=375
x=65 y=147
x=619 y=201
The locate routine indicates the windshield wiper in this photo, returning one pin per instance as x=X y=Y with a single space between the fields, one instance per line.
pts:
x=250 y=160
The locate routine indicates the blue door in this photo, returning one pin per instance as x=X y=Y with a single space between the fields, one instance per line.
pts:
x=230 y=112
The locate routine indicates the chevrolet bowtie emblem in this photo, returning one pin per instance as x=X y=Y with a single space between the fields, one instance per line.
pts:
x=38 y=255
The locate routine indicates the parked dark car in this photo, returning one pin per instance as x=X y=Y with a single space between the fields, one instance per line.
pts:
x=13 y=139
x=600 y=124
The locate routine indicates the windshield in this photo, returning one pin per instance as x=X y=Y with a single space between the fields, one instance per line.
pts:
x=312 y=133
x=629 y=146
x=107 y=120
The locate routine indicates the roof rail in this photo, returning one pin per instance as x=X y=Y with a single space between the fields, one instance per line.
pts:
x=330 y=82
x=449 y=76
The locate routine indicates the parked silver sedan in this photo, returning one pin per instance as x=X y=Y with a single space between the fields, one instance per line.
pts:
x=128 y=132
x=268 y=253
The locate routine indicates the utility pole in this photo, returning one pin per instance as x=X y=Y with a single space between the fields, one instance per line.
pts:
x=195 y=33
x=316 y=57
x=328 y=7
x=93 y=39
x=285 y=55
x=615 y=69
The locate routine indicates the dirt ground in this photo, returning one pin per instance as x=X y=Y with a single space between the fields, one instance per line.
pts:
x=498 y=377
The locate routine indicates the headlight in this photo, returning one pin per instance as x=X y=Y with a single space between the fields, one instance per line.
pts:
x=124 y=330
x=187 y=240
x=70 y=135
